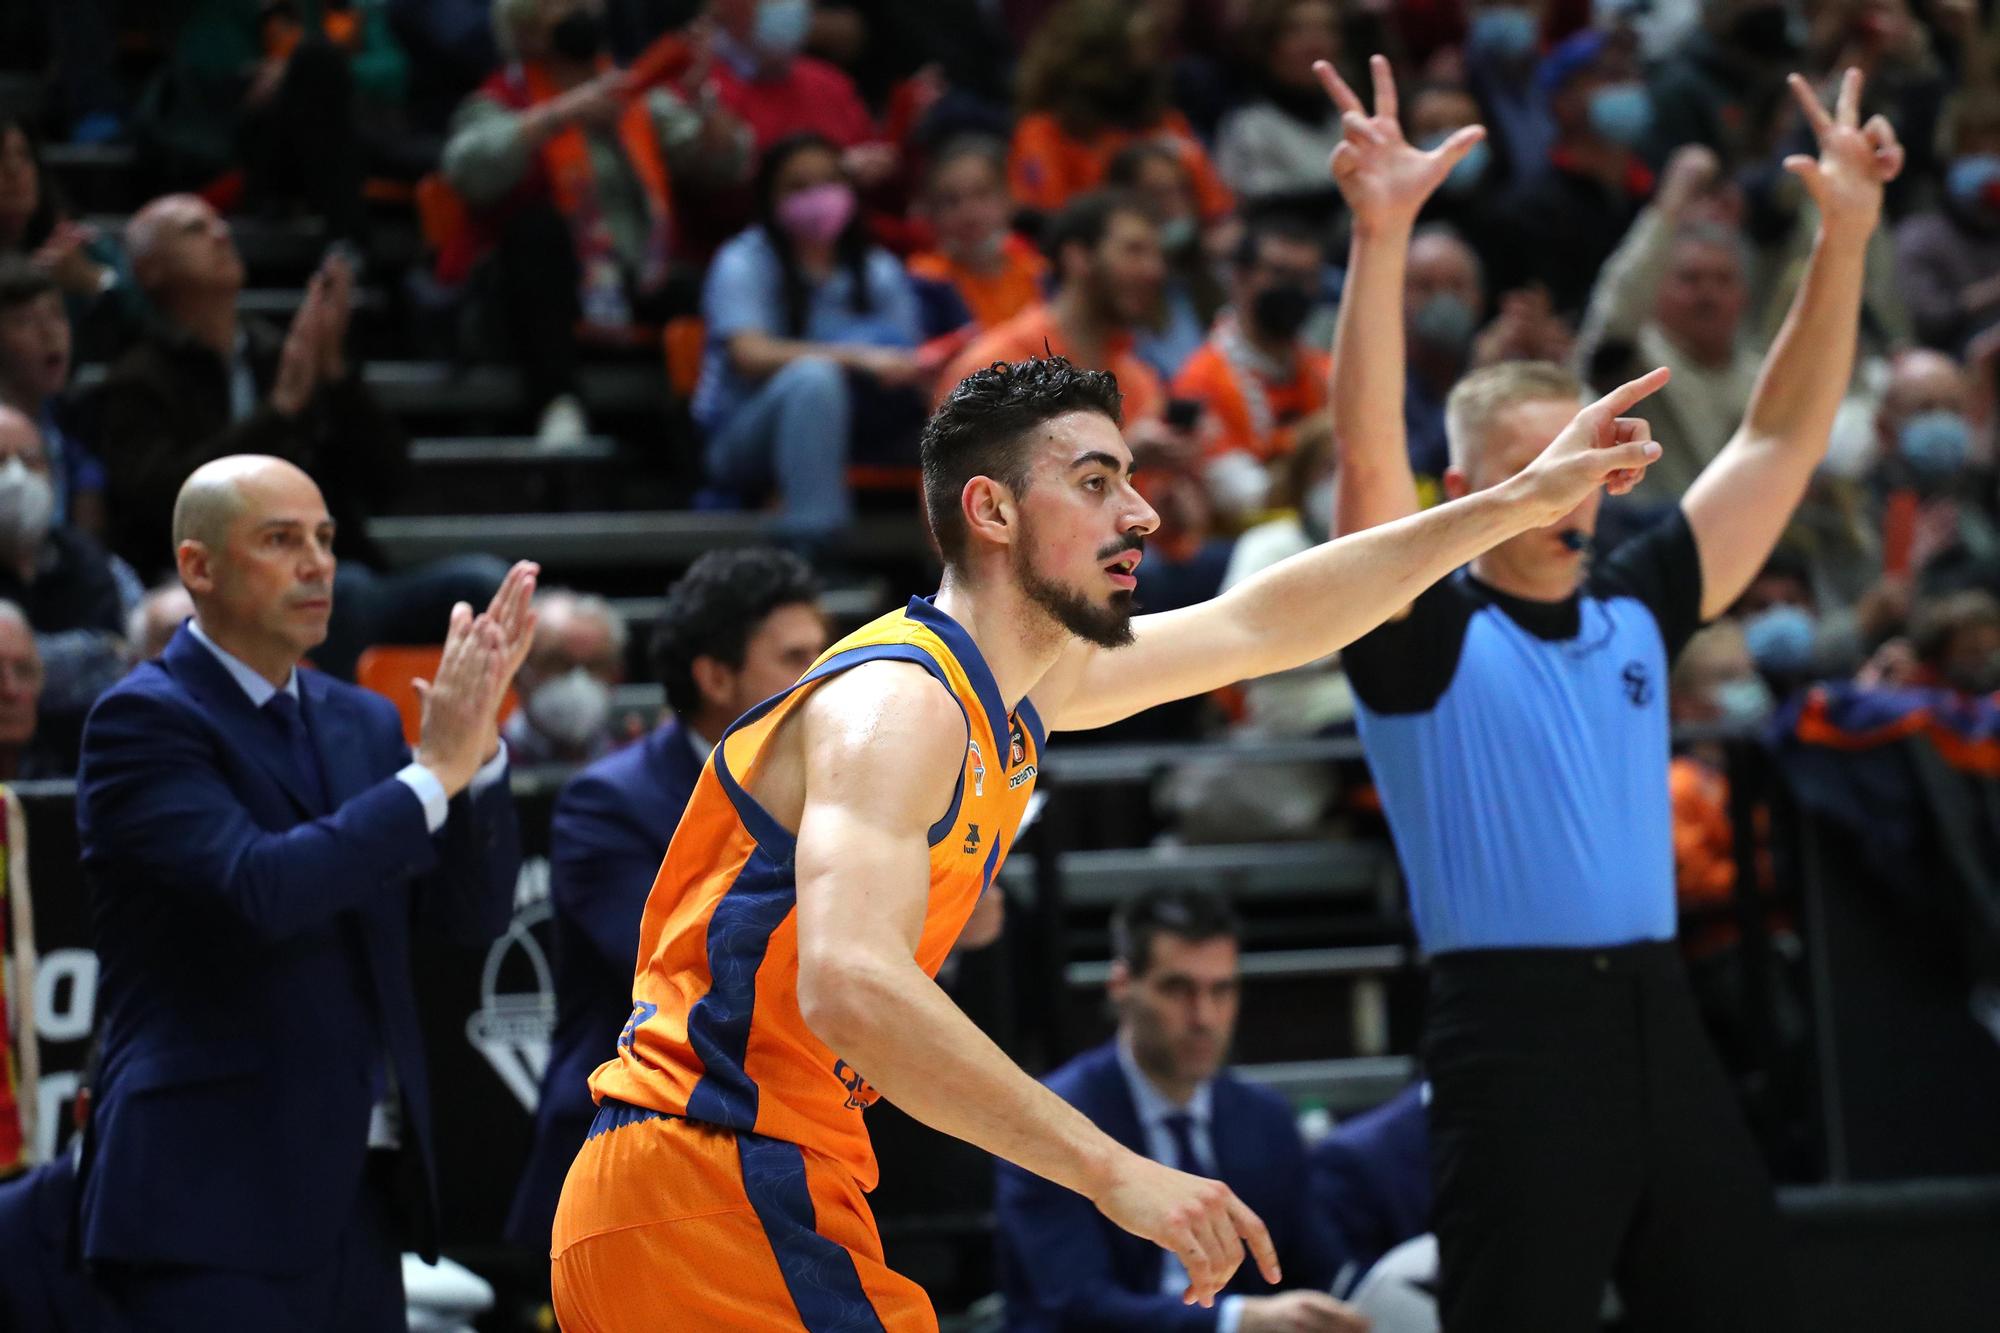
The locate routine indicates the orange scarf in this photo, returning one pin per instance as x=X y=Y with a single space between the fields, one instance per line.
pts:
x=573 y=182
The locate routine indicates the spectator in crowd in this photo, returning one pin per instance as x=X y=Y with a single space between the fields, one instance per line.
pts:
x=812 y=331
x=1093 y=79
x=1373 y=1177
x=1503 y=51
x=155 y=620
x=251 y=833
x=1719 y=86
x=570 y=172
x=1568 y=209
x=1107 y=267
x=1254 y=378
x=1191 y=296
x=1160 y=1088
x=740 y=627
x=1273 y=148
x=1444 y=297
x=566 y=681
x=205 y=384
x=34 y=371
x=1955 y=643
x=1948 y=258
x=762 y=76
x=21 y=680
x=62 y=581
x=991 y=272
x=1673 y=294
x=88 y=268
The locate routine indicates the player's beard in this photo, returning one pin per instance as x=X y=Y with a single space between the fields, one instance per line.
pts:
x=1107 y=626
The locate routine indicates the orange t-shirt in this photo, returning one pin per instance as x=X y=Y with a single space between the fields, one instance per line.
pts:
x=716 y=1034
x=1228 y=424
x=1034 y=332
x=993 y=298
x=1047 y=167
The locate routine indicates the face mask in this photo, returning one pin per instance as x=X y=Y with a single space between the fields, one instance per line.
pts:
x=1743 y=701
x=1780 y=639
x=571 y=710
x=27 y=507
x=1177 y=235
x=1935 y=445
x=1503 y=34
x=578 y=36
x=1622 y=113
x=1973 y=181
x=1444 y=322
x=1281 y=311
x=781 y=26
x=1469 y=170
x=818 y=215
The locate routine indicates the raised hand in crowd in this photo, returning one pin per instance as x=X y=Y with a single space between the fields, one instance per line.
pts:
x=1690 y=173
x=1383 y=176
x=300 y=361
x=336 y=312
x=1855 y=160
x=460 y=729
x=1299 y=1312
x=63 y=257
x=1526 y=329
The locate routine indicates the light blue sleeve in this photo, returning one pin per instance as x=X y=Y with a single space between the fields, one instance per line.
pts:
x=741 y=293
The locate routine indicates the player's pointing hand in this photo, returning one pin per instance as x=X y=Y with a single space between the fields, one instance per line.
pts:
x=1200 y=1220
x=1601 y=446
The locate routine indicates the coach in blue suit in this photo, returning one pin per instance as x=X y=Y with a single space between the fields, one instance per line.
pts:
x=1373 y=1177
x=739 y=627
x=258 y=841
x=1159 y=1088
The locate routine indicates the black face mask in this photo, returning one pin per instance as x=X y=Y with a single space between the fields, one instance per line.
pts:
x=578 y=36
x=1281 y=311
x=1764 y=32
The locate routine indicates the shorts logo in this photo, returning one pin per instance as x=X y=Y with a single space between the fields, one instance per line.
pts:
x=859 y=1095
x=641 y=1011
x=971 y=839
x=1638 y=684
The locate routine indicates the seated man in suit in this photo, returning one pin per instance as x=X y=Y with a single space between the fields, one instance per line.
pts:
x=1160 y=1089
x=257 y=841
x=1372 y=1176
x=739 y=627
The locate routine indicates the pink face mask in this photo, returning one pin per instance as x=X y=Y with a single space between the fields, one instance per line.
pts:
x=818 y=215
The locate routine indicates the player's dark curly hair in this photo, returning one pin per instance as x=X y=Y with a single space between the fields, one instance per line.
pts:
x=715 y=608
x=984 y=429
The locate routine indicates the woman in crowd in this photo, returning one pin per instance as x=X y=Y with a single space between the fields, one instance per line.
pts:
x=1158 y=174
x=103 y=306
x=1273 y=149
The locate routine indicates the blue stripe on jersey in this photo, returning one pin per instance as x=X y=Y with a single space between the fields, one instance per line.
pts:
x=984 y=687
x=819 y=1274
x=739 y=932
x=768 y=832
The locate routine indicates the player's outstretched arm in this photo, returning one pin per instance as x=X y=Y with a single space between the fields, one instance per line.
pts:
x=1320 y=600
x=1739 y=506
x=884 y=747
x=1385 y=180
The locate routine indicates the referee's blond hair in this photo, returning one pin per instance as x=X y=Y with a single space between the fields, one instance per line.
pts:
x=1484 y=394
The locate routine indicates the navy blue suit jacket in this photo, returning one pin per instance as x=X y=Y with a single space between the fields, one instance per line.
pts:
x=41 y=1291
x=1063 y=1265
x=1373 y=1176
x=254 y=956
x=610 y=832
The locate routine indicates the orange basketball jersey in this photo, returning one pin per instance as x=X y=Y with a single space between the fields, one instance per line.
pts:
x=715 y=1033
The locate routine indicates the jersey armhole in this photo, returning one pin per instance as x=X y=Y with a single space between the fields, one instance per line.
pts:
x=774 y=837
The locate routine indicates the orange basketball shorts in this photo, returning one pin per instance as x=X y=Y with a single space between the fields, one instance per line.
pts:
x=669 y=1224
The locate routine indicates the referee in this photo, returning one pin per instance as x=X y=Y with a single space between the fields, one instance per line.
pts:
x=1515 y=717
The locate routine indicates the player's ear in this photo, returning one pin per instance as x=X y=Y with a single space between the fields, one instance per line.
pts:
x=990 y=511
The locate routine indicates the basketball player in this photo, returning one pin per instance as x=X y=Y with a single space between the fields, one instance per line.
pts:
x=843 y=831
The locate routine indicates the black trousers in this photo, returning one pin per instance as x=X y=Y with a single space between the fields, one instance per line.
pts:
x=1582 y=1132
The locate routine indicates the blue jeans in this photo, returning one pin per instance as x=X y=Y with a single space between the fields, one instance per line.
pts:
x=793 y=432
x=408 y=606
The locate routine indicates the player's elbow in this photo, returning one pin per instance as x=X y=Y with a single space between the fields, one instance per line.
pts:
x=843 y=999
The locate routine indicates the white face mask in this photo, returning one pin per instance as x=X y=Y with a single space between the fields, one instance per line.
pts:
x=27 y=507
x=572 y=709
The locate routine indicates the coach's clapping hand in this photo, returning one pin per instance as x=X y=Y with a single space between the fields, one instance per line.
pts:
x=461 y=706
x=1300 y=1312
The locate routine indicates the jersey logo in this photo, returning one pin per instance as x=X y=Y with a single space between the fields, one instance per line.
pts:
x=1023 y=776
x=641 y=1011
x=971 y=839
x=978 y=769
x=1017 y=744
x=859 y=1095
x=1638 y=684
